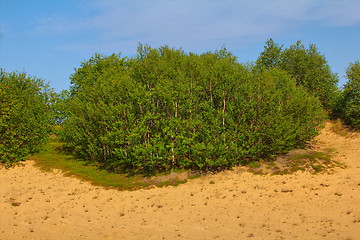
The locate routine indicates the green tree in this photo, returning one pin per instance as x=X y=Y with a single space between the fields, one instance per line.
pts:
x=307 y=65
x=24 y=116
x=165 y=108
x=351 y=96
x=100 y=108
x=271 y=55
x=58 y=106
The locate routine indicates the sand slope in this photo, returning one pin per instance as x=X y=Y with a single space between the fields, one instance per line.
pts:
x=230 y=205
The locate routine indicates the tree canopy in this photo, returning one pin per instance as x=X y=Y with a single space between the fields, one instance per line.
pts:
x=350 y=102
x=307 y=65
x=24 y=116
x=165 y=108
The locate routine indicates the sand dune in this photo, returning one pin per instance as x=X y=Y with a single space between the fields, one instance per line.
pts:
x=229 y=205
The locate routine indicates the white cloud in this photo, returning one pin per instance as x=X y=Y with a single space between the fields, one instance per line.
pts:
x=338 y=13
x=199 y=24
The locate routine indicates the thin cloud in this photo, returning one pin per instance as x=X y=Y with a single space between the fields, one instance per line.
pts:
x=193 y=24
x=338 y=13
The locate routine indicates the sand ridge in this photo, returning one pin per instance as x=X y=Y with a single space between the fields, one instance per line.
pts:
x=229 y=205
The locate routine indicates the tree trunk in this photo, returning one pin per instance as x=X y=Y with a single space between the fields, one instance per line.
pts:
x=176 y=107
x=224 y=100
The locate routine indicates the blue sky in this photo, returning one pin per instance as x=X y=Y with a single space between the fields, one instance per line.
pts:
x=48 y=38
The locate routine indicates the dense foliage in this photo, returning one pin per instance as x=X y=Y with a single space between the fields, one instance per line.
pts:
x=58 y=102
x=165 y=108
x=24 y=116
x=306 y=65
x=349 y=101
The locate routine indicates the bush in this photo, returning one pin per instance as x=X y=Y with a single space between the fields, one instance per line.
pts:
x=350 y=102
x=167 y=109
x=24 y=119
x=307 y=65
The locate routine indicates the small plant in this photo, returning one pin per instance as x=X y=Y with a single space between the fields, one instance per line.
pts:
x=254 y=165
x=14 y=202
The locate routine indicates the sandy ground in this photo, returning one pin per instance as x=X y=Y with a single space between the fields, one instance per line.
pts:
x=230 y=205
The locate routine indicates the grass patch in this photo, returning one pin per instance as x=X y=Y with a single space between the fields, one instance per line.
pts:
x=302 y=160
x=254 y=164
x=312 y=161
x=53 y=158
x=340 y=128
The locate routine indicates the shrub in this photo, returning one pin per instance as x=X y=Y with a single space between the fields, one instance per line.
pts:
x=307 y=65
x=350 y=102
x=166 y=109
x=24 y=118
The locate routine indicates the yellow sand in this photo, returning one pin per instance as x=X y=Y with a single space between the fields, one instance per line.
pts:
x=229 y=205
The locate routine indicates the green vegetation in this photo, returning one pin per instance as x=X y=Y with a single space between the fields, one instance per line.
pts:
x=338 y=127
x=311 y=161
x=53 y=157
x=309 y=68
x=166 y=109
x=348 y=107
x=135 y=122
x=24 y=116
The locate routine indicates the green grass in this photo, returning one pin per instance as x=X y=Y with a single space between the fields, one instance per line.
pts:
x=254 y=165
x=53 y=158
x=314 y=161
x=338 y=127
x=309 y=160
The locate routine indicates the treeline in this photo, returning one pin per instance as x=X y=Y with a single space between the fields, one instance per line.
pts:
x=165 y=108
